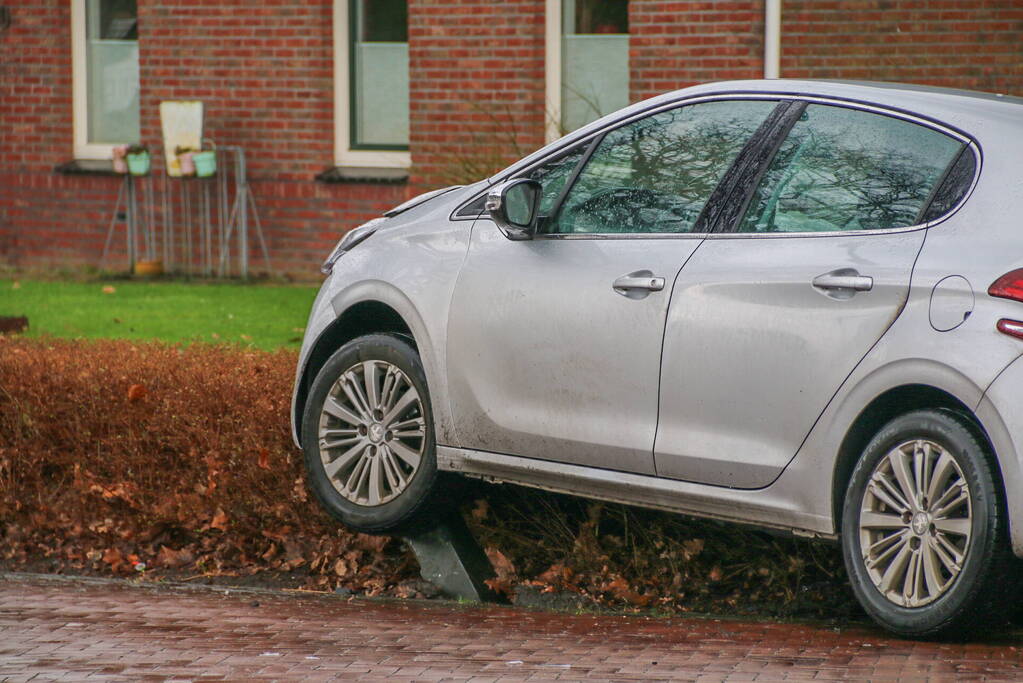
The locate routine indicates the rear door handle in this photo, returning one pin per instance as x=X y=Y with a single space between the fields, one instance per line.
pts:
x=844 y=280
x=638 y=284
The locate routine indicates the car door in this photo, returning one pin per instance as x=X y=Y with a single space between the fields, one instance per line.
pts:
x=767 y=321
x=554 y=344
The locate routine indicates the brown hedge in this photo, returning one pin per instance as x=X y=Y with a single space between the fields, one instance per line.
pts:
x=116 y=456
x=124 y=457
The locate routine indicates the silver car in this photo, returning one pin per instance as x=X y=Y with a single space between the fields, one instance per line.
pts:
x=791 y=304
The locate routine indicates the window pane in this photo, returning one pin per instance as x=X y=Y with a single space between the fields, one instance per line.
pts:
x=597 y=16
x=380 y=82
x=384 y=21
x=843 y=169
x=553 y=175
x=112 y=71
x=956 y=184
x=655 y=175
x=595 y=60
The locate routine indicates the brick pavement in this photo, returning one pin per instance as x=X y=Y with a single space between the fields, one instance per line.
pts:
x=75 y=630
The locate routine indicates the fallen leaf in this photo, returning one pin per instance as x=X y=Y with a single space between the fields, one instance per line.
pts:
x=115 y=558
x=172 y=559
x=107 y=289
x=264 y=459
x=136 y=392
x=556 y=573
x=715 y=574
x=621 y=589
x=219 y=520
x=16 y=285
x=503 y=567
x=499 y=586
x=373 y=543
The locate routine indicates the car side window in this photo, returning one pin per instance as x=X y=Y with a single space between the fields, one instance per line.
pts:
x=846 y=169
x=553 y=174
x=654 y=175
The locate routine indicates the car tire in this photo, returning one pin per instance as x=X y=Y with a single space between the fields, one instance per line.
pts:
x=937 y=558
x=368 y=436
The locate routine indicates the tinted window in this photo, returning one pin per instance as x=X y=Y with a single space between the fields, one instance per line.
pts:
x=953 y=188
x=654 y=175
x=473 y=208
x=844 y=169
x=553 y=175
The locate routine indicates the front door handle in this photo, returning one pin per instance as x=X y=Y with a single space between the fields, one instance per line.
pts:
x=638 y=284
x=843 y=283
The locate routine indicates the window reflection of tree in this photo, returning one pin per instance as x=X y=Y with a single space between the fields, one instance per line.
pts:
x=680 y=155
x=552 y=177
x=844 y=180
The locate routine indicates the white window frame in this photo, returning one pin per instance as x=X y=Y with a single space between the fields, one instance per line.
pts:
x=344 y=155
x=552 y=70
x=553 y=22
x=83 y=149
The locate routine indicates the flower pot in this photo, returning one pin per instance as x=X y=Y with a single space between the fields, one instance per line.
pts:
x=120 y=165
x=186 y=162
x=149 y=268
x=205 y=163
x=138 y=164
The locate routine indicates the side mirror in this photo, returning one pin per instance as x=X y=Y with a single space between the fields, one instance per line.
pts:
x=513 y=206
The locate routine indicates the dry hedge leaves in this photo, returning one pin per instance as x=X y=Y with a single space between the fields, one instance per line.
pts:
x=116 y=455
x=147 y=458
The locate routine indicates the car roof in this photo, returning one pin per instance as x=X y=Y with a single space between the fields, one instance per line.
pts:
x=977 y=115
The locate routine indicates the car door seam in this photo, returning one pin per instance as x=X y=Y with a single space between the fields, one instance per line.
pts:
x=660 y=364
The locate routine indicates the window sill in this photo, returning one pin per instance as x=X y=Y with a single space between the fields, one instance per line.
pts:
x=363 y=174
x=101 y=167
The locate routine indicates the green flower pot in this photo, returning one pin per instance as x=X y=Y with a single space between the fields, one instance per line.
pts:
x=205 y=163
x=138 y=164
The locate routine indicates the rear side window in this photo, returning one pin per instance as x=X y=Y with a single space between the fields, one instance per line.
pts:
x=953 y=188
x=846 y=169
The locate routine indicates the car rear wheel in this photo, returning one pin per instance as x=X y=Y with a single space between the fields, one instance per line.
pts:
x=367 y=434
x=924 y=533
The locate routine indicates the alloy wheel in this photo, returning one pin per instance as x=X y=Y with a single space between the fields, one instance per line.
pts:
x=915 y=523
x=372 y=433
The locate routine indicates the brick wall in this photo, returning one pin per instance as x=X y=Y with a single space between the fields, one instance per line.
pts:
x=976 y=44
x=674 y=44
x=265 y=70
x=477 y=86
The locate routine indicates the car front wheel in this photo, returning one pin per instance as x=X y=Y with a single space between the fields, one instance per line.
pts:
x=924 y=533
x=367 y=434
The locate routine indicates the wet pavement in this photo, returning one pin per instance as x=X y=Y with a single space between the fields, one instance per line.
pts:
x=73 y=630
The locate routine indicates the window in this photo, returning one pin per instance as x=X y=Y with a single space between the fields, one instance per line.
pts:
x=587 y=61
x=105 y=64
x=655 y=175
x=845 y=169
x=957 y=183
x=553 y=175
x=371 y=72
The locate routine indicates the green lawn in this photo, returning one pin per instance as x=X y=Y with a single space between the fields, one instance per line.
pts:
x=264 y=316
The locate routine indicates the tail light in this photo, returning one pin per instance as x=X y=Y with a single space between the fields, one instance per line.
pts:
x=1009 y=286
